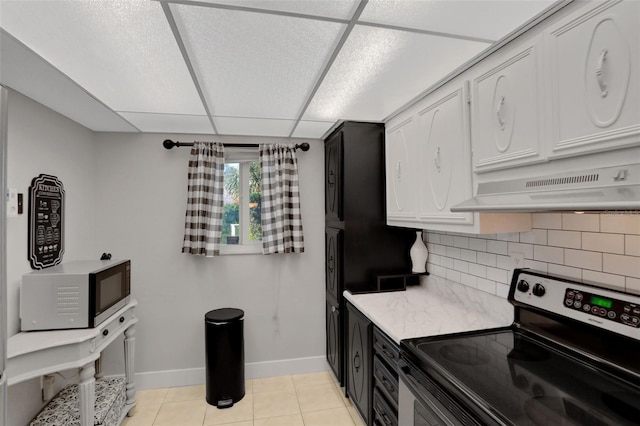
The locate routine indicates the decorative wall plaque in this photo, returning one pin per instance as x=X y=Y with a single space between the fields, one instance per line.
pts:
x=46 y=222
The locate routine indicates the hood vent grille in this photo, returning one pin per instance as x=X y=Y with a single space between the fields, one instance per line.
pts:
x=562 y=180
x=603 y=188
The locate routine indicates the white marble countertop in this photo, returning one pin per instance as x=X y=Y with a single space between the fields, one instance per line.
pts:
x=436 y=306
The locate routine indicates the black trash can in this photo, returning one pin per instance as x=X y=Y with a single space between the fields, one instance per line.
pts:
x=224 y=346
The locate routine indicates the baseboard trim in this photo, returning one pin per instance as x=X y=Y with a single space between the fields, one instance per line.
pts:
x=255 y=370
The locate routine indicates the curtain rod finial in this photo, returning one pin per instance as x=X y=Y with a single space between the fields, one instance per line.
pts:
x=304 y=146
x=168 y=143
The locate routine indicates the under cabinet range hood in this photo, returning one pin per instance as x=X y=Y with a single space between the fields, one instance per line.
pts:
x=606 y=188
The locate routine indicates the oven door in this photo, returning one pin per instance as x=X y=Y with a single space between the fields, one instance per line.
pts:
x=418 y=406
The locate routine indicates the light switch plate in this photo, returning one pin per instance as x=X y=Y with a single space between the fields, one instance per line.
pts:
x=12 y=202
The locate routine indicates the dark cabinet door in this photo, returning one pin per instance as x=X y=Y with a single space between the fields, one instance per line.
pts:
x=359 y=361
x=334 y=342
x=333 y=176
x=333 y=242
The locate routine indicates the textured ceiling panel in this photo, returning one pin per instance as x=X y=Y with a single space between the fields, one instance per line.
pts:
x=253 y=126
x=379 y=70
x=169 y=123
x=25 y=72
x=312 y=129
x=487 y=19
x=252 y=64
x=121 y=51
x=339 y=9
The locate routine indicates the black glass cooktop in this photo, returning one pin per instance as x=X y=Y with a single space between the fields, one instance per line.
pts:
x=525 y=382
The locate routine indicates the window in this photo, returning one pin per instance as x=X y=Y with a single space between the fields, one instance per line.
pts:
x=241 y=224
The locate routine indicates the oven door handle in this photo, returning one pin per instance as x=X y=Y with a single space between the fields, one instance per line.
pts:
x=431 y=407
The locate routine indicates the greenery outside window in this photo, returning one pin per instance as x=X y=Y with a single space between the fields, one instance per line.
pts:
x=241 y=223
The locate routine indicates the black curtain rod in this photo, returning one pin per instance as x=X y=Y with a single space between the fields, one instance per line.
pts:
x=168 y=144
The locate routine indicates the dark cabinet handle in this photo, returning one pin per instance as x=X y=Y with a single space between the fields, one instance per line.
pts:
x=356 y=361
x=388 y=353
x=332 y=178
x=388 y=385
x=330 y=264
x=105 y=332
x=383 y=415
x=121 y=319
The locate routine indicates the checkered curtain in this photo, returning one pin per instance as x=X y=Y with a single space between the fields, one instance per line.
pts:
x=203 y=219
x=281 y=218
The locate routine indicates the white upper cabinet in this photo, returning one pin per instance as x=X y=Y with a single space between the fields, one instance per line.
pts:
x=594 y=78
x=506 y=109
x=444 y=170
x=428 y=167
x=400 y=152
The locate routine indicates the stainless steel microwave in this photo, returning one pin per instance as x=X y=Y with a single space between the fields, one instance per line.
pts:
x=79 y=294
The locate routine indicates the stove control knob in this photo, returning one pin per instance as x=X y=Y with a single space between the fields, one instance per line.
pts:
x=523 y=286
x=538 y=290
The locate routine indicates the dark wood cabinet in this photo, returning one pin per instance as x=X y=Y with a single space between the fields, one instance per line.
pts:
x=333 y=245
x=385 y=384
x=359 y=244
x=333 y=177
x=359 y=361
x=333 y=333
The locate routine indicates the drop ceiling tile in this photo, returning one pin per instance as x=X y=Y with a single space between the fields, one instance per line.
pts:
x=170 y=123
x=379 y=70
x=27 y=73
x=121 y=51
x=487 y=19
x=312 y=129
x=253 y=126
x=252 y=64
x=338 y=9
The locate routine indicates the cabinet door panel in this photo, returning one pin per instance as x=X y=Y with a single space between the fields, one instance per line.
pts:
x=505 y=118
x=359 y=362
x=333 y=176
x=444 y=159
x=595 y=79
x=400 y=155
x=333 y=238
x=334 y=341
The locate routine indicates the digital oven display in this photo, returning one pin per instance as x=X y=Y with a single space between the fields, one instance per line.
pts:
x=601 y=301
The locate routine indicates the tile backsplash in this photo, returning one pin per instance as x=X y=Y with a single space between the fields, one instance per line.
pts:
x=598 y=247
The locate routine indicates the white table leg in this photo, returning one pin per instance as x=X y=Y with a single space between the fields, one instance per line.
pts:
x=99 y=373
x=87 y=395
x=129 y=359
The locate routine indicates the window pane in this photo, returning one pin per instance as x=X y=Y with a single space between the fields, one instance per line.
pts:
x=255 y=201
x=231 y=216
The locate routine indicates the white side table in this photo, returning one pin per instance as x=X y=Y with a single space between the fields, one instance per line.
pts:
x=36 y=353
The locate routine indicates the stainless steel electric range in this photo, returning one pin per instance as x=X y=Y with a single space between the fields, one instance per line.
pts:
x=571 y=357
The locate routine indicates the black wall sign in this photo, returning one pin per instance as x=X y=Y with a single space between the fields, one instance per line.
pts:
x=46 y=222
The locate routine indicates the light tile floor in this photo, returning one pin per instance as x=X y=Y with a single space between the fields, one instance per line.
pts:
x=299 y=400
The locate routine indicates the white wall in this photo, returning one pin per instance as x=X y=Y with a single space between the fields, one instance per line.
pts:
x=42 y=141
x=126 y=194
x=140 y=207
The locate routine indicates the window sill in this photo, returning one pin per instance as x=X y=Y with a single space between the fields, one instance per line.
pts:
x=232 y=249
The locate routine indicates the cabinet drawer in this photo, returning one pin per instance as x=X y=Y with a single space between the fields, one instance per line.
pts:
x=386 y=349
x=383 y=414
x=385 y=381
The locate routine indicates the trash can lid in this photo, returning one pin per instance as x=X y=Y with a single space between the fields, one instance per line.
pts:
x=224 y=315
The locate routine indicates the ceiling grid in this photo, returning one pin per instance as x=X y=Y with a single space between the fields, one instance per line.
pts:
x=287 y=68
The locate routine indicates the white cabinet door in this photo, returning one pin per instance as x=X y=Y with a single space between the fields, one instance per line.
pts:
x=505 y=115
x=400 y=154
x=594 y=78
x=443 y=152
